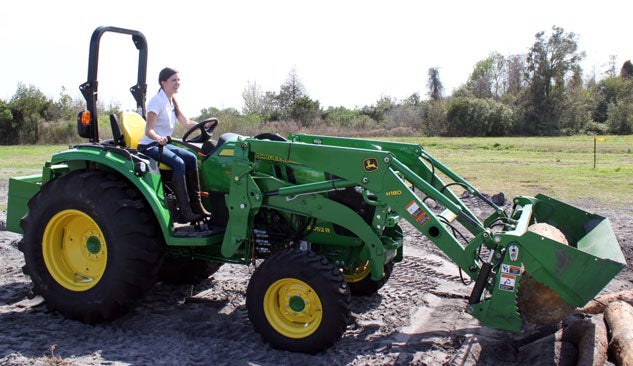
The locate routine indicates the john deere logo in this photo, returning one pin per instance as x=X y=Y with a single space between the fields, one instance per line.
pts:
x=370 y=164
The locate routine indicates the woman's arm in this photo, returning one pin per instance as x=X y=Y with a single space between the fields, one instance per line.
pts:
x=185 y=121
x=152 y=117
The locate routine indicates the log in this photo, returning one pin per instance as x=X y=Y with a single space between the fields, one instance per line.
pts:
x=599 y=304
x=591 y=337
x=548 y=231
x=619 y=319
x=537 y=302
x=588 y=337
x=549 y=350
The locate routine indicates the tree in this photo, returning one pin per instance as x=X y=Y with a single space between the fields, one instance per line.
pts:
x=549 y=65
x=435 y=118
x=626 y=72
x=434 y=85
x=63 y=109
x=290 y=91
x=28 y=106
x=377 y=112
x=516 y=74
x=305 y=110
x=258 y=103
x=621 y=117
x=488 y=78
x=412 y=100
x=253 y=99
x=8 y=130
x=611 y=68
x=610 y=91
x=574 y=113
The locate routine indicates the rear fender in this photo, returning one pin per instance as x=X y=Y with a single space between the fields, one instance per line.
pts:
x=148 y=184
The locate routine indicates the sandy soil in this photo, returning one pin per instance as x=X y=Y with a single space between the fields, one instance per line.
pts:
x=417 y=318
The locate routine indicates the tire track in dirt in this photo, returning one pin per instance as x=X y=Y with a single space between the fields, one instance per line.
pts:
x=418 y=317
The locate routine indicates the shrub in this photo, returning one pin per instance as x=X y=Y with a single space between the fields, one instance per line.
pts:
x=621 y=118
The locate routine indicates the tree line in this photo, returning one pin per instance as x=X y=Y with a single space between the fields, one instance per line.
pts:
x=540 y=93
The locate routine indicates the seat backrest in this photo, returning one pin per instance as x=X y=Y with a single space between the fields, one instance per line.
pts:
x=133 y=126
x=117 y=135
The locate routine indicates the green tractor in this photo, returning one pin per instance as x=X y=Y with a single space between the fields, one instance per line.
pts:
x=319 y=217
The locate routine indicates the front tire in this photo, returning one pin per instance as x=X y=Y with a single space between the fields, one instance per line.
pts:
x=91 y=246
x=298 y=301
x=360 y=282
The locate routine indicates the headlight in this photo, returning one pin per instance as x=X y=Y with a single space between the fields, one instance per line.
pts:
x=140 y=168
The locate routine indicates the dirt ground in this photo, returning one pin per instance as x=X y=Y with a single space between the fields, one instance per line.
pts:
x=417 y=318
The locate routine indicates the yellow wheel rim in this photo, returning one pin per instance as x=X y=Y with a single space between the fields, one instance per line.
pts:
x=359 y=274
x=74 y=250
x=293 y=308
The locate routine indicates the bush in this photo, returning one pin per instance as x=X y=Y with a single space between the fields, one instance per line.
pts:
x=340 y=116
x=596 y=128
x=58 y=132
x=478 y=117
x=621 y=118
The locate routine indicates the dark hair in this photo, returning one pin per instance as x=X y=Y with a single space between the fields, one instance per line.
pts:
x=163 y=75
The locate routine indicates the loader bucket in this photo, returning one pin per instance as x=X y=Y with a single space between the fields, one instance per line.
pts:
x=542 y=278
x=579 y=271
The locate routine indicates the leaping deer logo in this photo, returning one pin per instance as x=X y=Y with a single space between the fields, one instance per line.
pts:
x=370 y=164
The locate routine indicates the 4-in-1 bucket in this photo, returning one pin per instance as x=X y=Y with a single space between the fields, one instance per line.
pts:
x=579 y=271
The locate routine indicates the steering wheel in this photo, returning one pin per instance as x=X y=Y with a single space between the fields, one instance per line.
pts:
x=205 y=133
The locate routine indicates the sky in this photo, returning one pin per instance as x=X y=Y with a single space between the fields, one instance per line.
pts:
x=345 y=52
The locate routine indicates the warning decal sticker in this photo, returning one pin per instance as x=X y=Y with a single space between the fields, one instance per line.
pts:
x=506 y=268
x=507 y=282
x=413 y=208
x=420 y=216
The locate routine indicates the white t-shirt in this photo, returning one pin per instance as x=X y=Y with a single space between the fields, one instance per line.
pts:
x=166 y=113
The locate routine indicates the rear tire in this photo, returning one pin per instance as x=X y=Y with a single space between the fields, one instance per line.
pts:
x=298 y=301
x=91 y=246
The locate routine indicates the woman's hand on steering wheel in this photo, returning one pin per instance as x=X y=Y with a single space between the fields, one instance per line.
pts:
x=206 y=128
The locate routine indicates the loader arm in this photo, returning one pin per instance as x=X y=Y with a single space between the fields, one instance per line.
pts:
x=401 y=178
x=376 y=170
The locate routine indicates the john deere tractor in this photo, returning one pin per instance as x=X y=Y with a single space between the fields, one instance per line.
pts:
x=319 y=217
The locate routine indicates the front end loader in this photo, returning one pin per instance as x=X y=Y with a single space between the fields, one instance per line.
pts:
x=318 y=216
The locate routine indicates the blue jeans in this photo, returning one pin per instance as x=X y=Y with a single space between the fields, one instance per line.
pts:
x=178 y=159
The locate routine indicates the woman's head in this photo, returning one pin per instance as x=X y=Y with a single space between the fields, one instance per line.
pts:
x=165 y=74
x=170 y=82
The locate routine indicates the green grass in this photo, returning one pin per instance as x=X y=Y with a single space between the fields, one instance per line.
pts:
x=561 y=167
x=20 y=160
x=24 y=159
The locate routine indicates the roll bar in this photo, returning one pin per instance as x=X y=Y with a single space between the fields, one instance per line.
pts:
x=89 y=88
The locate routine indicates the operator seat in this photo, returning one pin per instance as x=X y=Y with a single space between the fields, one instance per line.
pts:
x=133 y=126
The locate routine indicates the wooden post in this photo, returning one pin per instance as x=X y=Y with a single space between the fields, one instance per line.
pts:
x=594 y=152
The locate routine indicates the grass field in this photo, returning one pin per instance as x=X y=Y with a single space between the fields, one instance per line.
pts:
x=562 y=167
